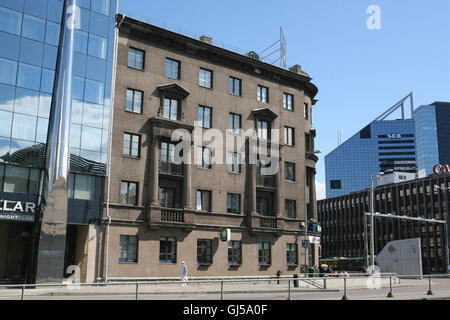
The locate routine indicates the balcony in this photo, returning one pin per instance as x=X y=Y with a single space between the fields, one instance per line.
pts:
x=170 y=168
x=268 y=222
x=170 y=217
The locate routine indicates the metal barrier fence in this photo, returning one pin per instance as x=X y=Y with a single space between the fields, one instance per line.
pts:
x=320 y=283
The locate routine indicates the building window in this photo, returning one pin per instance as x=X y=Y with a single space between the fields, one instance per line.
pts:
x=234 y=162
x=131 y=143
x=263 y=94
x=204 y=251
x=20 y=179
x=234 y=252
x=263 y=130
x=203 y=200
x=172 y=68
x=128 y=249
x=167 y=197
x=234 y=203
x=204 y=158
x=167 y=250
x=289 y=137
x=305 y=110
x=289 y=171
x=262 y=206
x=82 y=187
x=335 y=184
x=290 y=209
x=128 y=192
x=205 y=78
x=134 y=101
x=235 y=86
x=171 y=109
x=204 y=116
x=292 y=254
x=136 y=58
x=264 y=253
x=288 y=101
x=234 y=122
x=167 y=152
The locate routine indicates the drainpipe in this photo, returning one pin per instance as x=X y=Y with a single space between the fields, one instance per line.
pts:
x=113 y=88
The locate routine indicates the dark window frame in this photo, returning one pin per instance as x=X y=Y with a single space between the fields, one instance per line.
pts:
x=259 y=93
x=130 y=146
x=232 y=88
x=178 y=63
x=292 y=254
x=232 y=117
x=234 y=254
x=128 y=259
x=128 y=202
x=202 y=256
x=202 y=108
x=171 y=99
x=285 y=101
x=286 y=171
x=133 y=101
x=294 y=208
x=202 y=200
x=231 y=199
x=264 y=254
x=168 y=256
x=289 y=139
x=211 y=80
x=143 y=59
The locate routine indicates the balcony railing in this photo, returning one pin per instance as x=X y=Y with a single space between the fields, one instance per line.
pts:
x=265 y=181
x=170 y=168
x=172 y=215
x=268 y=222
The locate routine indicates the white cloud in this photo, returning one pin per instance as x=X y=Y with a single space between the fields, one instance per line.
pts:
x=320 y=190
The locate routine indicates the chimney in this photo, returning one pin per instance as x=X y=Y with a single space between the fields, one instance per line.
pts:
x=206 y=39
x=296 y=68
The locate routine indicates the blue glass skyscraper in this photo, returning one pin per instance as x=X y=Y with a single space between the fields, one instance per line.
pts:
x=432 y=136
x=32 y=67
x=381 y=145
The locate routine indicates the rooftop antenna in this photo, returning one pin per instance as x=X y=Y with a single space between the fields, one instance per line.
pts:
x=281 y=49
x=339 y=137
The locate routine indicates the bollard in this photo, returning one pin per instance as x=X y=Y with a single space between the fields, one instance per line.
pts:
x=221 y=290
x=344 y=297
x=324 y=283
x=429 y=293
x=289 y=289
x=137 y=290
x=23 y=292
x=390 y=294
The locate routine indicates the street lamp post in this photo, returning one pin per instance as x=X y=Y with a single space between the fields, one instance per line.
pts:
x=445 y=225
x=306 y=210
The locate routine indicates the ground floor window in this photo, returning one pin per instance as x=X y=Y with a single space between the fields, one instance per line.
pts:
x=204 y=249
x=128 y=249
x=167 y=250
x=264 y=253
x=292 y=254
x=234 y=252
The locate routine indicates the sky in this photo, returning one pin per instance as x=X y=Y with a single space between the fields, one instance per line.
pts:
x=360 y=72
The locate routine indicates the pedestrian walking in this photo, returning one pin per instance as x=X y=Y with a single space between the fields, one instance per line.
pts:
x=183 y=272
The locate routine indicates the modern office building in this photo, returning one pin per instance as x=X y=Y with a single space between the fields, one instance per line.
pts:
x=161 y=212
x=56 y=73
x=344 y=226
x=432 y=137
x=381 y=145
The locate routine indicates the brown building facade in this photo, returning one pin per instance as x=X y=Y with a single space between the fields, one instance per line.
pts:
x=160 y=212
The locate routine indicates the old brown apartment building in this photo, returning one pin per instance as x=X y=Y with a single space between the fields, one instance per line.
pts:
x=160 y=213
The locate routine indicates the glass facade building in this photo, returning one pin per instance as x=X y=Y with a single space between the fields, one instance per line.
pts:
x=432 y=136
x=380 y=146
x=31 y=40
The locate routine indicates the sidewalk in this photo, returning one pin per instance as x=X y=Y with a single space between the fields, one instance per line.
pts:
x=333 y=285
